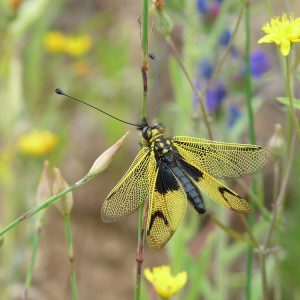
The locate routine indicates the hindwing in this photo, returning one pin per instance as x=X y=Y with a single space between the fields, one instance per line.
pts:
x=131 y=190
x=222 y=160
x=212 y=187
x=167 y=205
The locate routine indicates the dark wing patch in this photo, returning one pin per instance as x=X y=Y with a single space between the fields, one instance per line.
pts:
x=166 y=181
x=157 y=214
x=195 y=173
x=166 y=208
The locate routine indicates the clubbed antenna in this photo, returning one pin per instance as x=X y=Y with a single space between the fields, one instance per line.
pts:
x=60 y=92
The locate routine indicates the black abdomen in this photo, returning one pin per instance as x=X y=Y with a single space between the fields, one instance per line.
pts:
x=191 y=190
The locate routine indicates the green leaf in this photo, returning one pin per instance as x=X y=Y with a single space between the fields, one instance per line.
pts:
x=286 y=101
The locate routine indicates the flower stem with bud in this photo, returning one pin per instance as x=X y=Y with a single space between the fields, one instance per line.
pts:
x=100 y=165
x=43 y=192
x=65 y=207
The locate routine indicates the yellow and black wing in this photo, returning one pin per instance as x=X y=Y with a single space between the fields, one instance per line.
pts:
x=131 y=190
x=222 y=160
x=167 y=205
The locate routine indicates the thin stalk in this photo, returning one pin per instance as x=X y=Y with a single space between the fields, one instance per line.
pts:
x=143 y=213
x=248 y=77
x=248 y=230
x=262 y=260
x=68 y=230
x=226 y=52
x=199 y=95
x=232 y=233
x=252 y=141
x=35 y=246
x=145 y=61
x=277 y=281
x=279 y=200
x=292 y=112
x=143 y=210
x=279 y=196
x=50 y=201
x=265 y=213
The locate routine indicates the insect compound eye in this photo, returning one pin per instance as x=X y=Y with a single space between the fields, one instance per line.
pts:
x=146 y=132
x=160 y=128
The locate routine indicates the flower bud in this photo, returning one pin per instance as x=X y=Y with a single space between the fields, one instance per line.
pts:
x=276 y=142
x=158 y=4
x=43 y=192
x=104 y=160
x=163 y=23
x=65 y=204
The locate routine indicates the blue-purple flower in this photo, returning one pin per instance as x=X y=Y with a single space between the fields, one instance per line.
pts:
x=234 y=115
x=208 y=9
x=205 y=69
x=225 y=38
x=202 y=6
x=259 y=63
x=214 y=97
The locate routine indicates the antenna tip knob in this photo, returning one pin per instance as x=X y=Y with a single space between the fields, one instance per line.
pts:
x=152 y=56
x=59 y=91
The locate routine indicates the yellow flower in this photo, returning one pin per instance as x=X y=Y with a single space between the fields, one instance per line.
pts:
x=164 y=283
x=54 y=42
x=37 y=143
x=77 y=46
x=282 y=32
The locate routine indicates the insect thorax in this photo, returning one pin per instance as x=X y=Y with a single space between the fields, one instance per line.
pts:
x=153 y=138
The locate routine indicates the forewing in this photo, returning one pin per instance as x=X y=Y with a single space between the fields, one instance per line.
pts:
x=131 y=190
x=166 y=207
x=215 y=189
x=222 y=160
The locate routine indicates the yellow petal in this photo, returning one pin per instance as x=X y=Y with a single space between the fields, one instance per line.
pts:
x=149 y=275
x=285 y=47
x=266 y=39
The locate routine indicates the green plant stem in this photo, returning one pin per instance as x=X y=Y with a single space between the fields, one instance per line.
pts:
x=143 y=213
x=248 y=77
x=145 y=61
x=143 y=210
x=252 y=141
x=199 y=95
x=265 y=213
x=278 y=203
x=35 y=246
x=262 y=260
x=232 y=233
x=67 y=221
x=292 y=112
x=45 y=204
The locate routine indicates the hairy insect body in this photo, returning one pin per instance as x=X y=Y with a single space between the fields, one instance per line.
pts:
x=169 y=160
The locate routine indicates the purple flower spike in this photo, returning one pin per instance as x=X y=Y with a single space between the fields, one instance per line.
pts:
x=205 y=69
x=259 y=63
x=202 y=6
x=225 y=38
x=214 y=97
x=234 y=115
x=195 y=97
